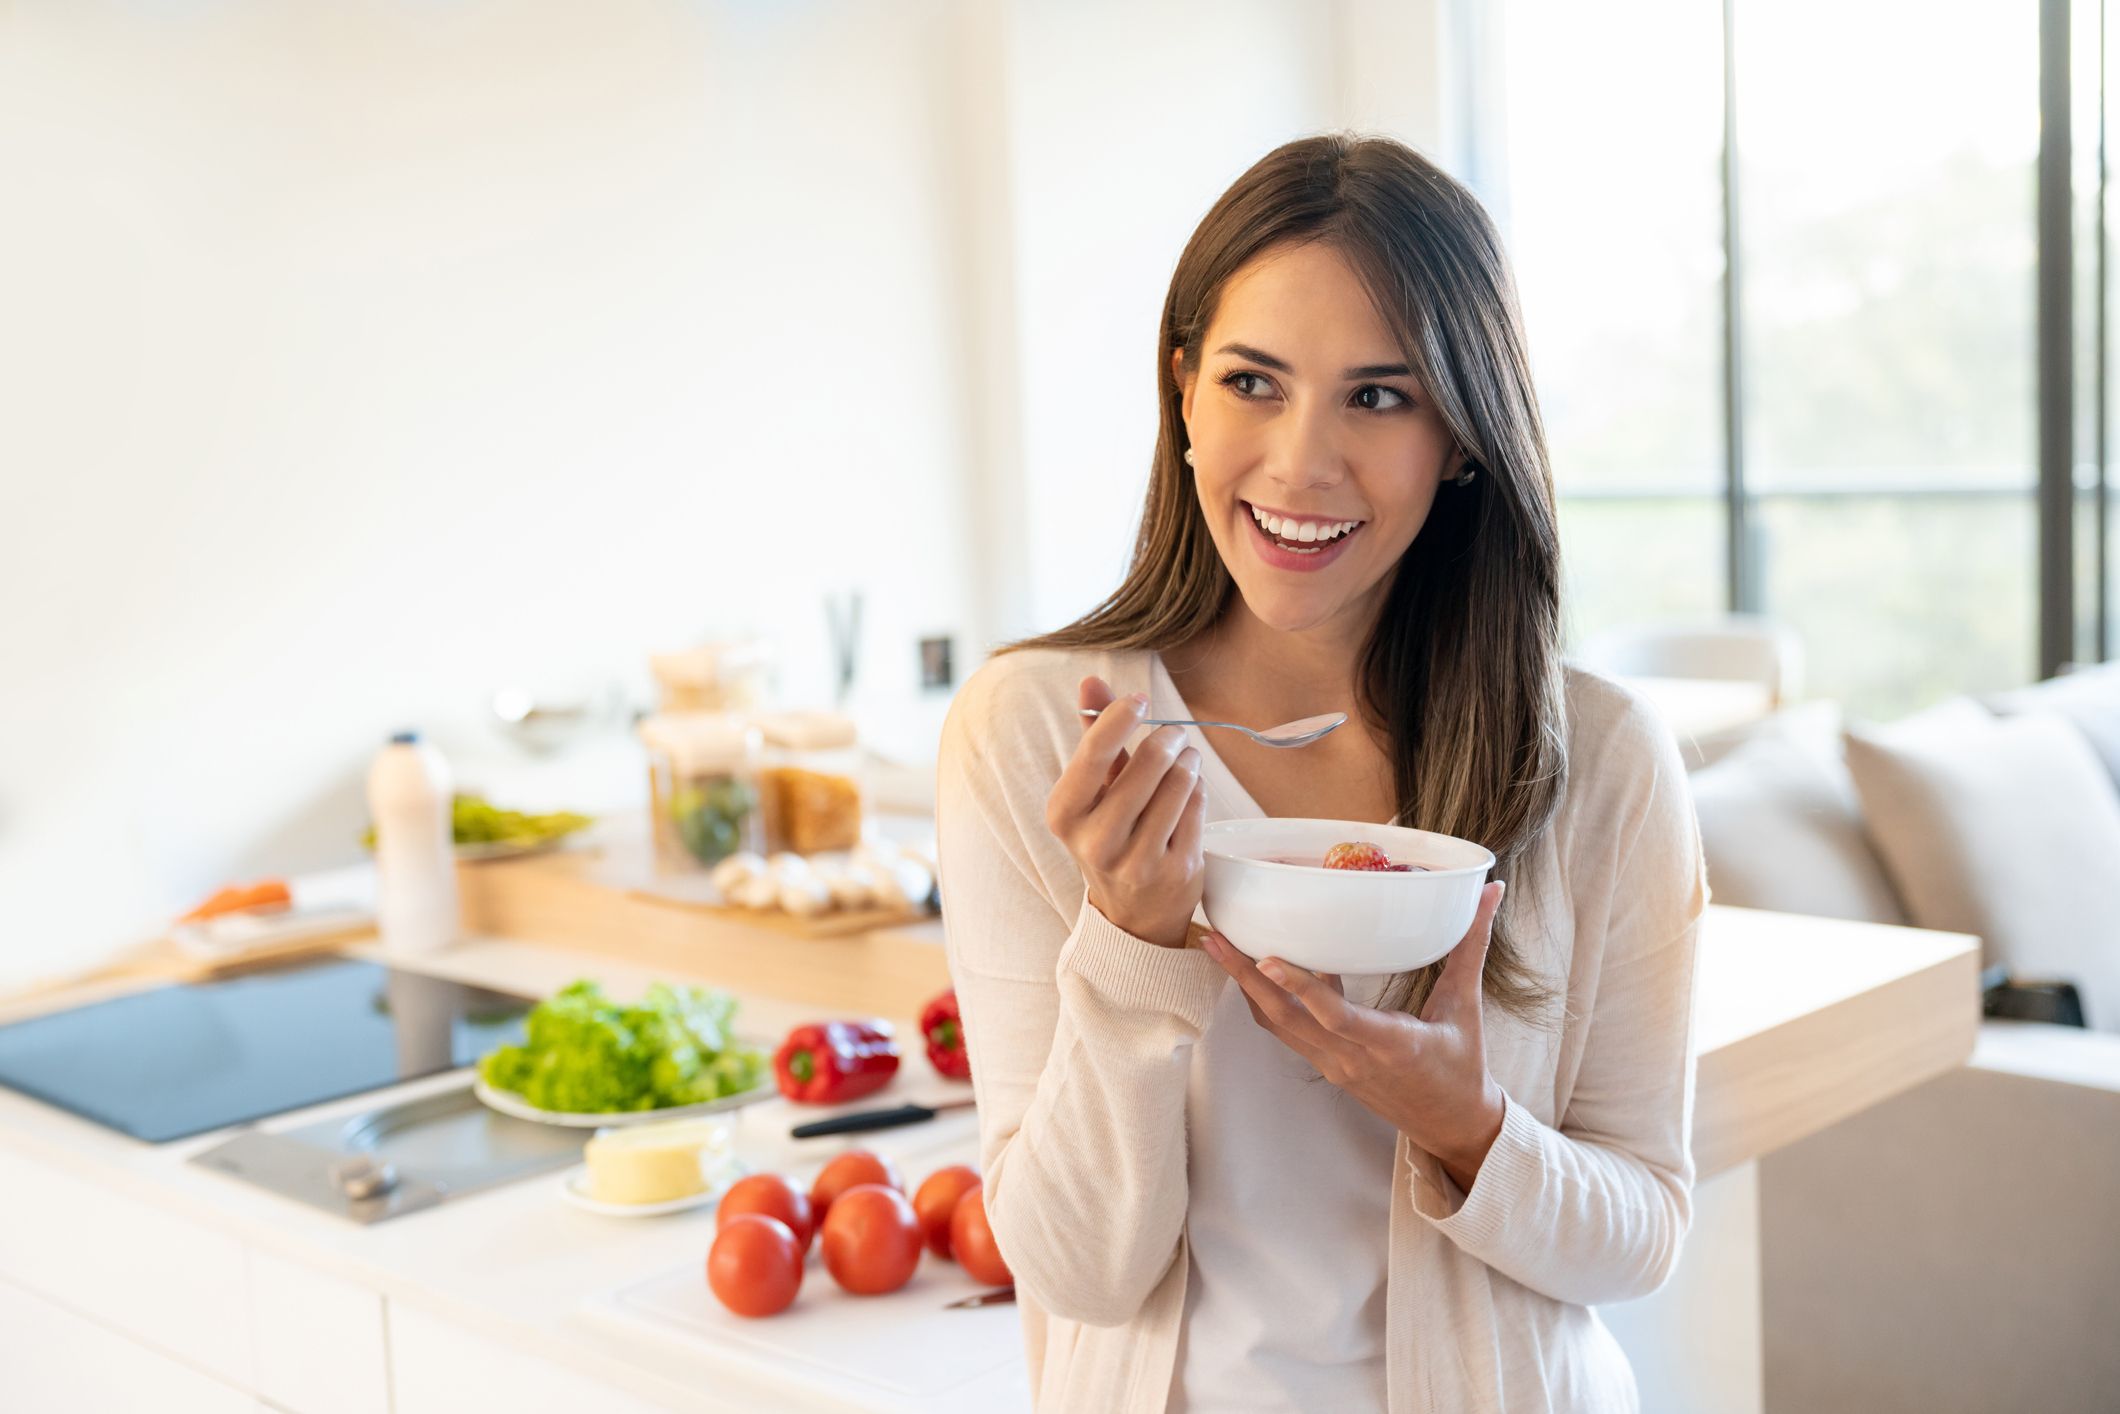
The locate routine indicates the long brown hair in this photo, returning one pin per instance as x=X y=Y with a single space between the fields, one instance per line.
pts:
x=1461 y=673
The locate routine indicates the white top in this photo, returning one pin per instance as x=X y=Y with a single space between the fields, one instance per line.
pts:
x=1255 y=1226
x=1095 y=1142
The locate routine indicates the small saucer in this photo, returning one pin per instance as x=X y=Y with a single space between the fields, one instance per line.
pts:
x=574 y=1186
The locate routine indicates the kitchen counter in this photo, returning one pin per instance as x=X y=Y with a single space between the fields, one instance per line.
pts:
x=214 y=1294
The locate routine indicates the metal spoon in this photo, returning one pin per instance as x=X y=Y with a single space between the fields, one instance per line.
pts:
x=1301 y=732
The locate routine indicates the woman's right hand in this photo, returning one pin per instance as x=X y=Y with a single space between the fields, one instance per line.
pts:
x=1133 y=821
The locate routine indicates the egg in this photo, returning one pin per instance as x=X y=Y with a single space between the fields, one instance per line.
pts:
x=850 y=890
x=758 y=891
x=732 y=871
x=787 y=866
x=804 y=897
x=906 y=883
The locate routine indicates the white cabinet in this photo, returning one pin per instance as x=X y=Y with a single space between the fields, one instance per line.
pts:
x=440 y=1367
x=127 y=1293
x=53 y=1359
x=319 y=1340
x=170 y=1284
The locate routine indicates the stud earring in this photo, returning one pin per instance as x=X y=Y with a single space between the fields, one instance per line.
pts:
x=1188 y=456
x=1464 y=478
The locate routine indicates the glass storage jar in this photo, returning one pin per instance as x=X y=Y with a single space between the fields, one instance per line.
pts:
x=703 y=787
x=809 y=781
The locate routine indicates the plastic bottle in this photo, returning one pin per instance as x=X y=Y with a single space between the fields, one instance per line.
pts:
x=409 y=793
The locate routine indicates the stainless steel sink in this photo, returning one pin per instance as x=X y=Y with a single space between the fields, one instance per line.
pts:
x=398 y=1158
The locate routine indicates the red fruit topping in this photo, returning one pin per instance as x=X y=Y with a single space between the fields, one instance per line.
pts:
x=1357 y=854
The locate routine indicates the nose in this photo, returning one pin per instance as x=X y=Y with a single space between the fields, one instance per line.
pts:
x=1304 y=454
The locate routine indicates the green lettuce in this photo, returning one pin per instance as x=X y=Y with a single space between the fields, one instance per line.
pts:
x=586 y=1054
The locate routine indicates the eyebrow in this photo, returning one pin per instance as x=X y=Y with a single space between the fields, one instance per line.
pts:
x=1367 y=370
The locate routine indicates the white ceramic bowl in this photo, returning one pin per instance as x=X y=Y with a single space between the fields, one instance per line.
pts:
x=1340 y=920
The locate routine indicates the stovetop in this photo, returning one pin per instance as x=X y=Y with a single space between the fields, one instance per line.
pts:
x=181 y=1060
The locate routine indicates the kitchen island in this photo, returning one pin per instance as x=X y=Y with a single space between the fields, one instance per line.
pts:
x=129 y=1277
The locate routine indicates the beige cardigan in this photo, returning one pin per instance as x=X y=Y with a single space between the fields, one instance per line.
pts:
x=1080 y=1037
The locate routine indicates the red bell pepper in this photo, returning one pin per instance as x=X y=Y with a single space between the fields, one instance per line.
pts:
x=944 y=1030
x=826 y=1062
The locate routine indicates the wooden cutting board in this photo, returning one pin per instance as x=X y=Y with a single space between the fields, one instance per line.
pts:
x=836 y=923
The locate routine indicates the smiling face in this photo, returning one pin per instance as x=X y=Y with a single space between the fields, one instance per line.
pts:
x=1316 y=455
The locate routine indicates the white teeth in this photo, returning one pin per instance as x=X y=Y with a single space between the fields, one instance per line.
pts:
x=1307 y=532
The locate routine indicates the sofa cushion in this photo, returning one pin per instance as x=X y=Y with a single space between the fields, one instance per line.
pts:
x=2089 y=698
x=2007 y=827
x=1780 y=825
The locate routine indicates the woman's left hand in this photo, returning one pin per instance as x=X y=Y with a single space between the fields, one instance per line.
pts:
x=1426 y=1075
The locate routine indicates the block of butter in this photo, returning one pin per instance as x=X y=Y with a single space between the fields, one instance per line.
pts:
x=655 y=1163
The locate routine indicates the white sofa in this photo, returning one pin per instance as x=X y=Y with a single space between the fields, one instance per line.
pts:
x=1957 y=1248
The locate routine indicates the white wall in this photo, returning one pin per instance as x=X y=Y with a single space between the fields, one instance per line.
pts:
x=1120 y=147
x=357 y=359
x=361 y=358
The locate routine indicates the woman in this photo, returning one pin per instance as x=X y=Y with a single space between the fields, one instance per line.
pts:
x=1225 y=1186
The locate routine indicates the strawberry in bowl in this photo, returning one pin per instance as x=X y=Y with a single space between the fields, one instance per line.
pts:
x=1360 y=854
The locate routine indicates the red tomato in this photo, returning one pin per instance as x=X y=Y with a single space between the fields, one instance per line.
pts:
x=937 y=1199
x=972 y=1239
x=871 y=1240
x=852 y=1167
x=773 y=1196
x=755 y=1265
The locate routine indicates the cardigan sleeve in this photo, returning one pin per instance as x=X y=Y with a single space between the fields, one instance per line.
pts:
x=1079 y=1033
x=1595 y=1209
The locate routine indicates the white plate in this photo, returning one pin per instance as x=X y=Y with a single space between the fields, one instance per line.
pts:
x=510 y=1103
x=575 y=1187
x=483 y=850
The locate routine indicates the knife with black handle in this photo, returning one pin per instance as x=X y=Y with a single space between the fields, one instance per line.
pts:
x=984 y=1298
x=876 y=1119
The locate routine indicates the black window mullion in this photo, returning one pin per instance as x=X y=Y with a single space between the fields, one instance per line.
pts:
x=2102 y=531
x=2056 y=340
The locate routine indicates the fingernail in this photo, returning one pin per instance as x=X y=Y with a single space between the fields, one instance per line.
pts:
x=1274 y=974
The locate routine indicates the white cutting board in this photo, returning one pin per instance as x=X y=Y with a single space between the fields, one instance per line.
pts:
x=898 y=1352
x=902 y=1351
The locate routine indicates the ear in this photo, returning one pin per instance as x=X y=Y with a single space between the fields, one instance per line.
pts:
x=1185 y=382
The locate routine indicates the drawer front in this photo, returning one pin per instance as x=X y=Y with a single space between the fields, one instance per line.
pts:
x=56 y=1359
x=440 y=1367
x=166 y=1282
x=319 y=1340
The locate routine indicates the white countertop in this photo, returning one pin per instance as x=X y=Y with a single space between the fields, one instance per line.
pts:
x=1799 y=1022
x=518 y=1262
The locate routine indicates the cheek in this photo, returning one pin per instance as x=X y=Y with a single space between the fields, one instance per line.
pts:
x=1217 y=493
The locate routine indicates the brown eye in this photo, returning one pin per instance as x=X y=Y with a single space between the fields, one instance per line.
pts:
x=1378 y=388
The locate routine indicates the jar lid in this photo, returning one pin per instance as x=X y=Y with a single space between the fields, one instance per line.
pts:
x=807 y=729
x=700 y=741
x=708 y=664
